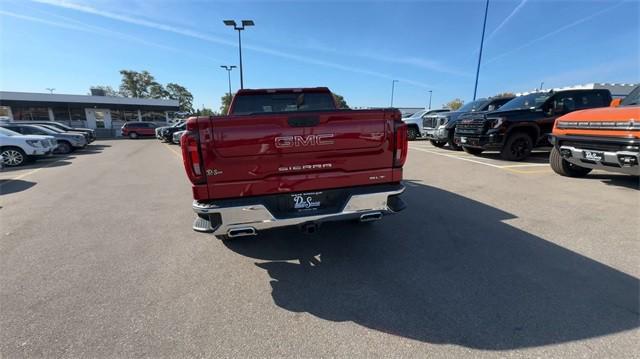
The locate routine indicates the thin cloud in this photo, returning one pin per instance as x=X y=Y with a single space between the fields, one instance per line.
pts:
x=506 y=19
x=554 y=32
x=205 y=37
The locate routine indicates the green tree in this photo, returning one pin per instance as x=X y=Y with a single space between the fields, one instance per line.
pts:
x=454 y=104
x=205 y=112
x=180 y=93
x=340 y=101
x=225 y=103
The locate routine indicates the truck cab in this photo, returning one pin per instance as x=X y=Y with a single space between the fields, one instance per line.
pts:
x=524 y=122
x=605 y=139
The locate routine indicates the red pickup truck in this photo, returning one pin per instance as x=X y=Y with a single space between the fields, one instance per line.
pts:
x=285 y=157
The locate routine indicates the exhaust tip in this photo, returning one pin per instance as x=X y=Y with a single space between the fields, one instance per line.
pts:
x=370 y=217
x=241 y=232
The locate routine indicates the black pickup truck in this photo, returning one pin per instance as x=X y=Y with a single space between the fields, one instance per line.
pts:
x=524 y=122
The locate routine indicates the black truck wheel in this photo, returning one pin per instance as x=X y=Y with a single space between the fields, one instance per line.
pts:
x=517 y=147
x=472 y=150
x=438 y=144
x=412 y=133
x=452 y=143
x=64 y=147
x=563 y=167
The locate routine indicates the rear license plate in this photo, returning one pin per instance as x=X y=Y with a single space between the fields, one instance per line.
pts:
x=309 y=201
x=593 y=155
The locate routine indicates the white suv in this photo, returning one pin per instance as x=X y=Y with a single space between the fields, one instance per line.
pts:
x=16 y=149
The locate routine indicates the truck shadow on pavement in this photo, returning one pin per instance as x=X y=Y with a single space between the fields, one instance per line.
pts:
x=13 y=186
x=448 y=270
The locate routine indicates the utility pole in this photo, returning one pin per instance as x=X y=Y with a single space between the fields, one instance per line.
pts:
x=243 y=23
x=484 y=26
x=229 y=68
x=430 y=94
x=542 y=83
x=393 y=86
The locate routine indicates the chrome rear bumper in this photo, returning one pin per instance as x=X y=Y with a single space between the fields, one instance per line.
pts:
x=248 y=219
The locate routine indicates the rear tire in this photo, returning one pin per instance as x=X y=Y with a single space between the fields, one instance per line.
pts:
x=412 y=133
x=563 y=167
x=133 y=135
x=517 y=147
x=472 y=150
x=438 y=144
x=13 y=156
x=451 y=141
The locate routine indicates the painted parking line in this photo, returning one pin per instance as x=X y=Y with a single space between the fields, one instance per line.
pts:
x=19 y=177
x=178 y=154
x=518 y=168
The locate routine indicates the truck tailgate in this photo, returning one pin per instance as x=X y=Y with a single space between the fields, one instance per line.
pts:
x=280 y=153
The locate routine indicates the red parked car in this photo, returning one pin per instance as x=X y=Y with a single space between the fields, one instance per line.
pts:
x=134 y=130
x=290 y=157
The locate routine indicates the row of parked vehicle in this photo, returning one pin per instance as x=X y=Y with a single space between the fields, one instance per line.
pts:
x=584 y=128
x=26 y=141
x=171 y=134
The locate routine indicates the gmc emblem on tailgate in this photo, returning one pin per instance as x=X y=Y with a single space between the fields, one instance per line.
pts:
x=304 y=141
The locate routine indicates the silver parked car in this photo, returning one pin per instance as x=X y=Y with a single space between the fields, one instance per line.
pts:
x=67 y=142
x=176 y=137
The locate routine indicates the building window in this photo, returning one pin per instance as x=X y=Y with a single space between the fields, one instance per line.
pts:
x=129 y=116
x=153 y=116
x=4 y=111
x=77 y=114
x=116 y=115
x=31 y=114
x=60 y=113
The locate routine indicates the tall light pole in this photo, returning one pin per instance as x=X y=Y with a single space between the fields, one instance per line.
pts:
x=484 y=25
x=542 y=83
x=239 y=29
x=50 y=89
x=229 y=68
x=393 y=87
x=430 y=94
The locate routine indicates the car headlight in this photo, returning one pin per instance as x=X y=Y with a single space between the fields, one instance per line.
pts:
x=496 y=122
x=34 y=143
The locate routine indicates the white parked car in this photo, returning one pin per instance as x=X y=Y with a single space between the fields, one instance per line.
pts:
x=16 y=149
x=176 y=137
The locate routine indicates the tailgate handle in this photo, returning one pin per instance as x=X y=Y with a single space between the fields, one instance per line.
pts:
x=307 y=121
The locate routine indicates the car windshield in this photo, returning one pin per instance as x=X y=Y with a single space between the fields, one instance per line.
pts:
x=632 y=99
x=44 y=129
x=534 y=100
x=473 y=106
x=5 y=132
x=418 y=114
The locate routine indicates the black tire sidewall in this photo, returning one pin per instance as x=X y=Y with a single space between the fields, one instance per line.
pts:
x=452 y=143
x=506 y=152
x=412 y=133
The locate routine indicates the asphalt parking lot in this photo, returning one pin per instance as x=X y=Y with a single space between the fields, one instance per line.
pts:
x=490 y=259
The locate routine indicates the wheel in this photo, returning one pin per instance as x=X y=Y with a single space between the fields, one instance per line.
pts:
x=563 y=167
x=13 y=156
x=64 y=147
x=452 y=143
x=517 y=147
x=438 y=144
x=412 y=133
x=472 y=150
x=133 y=135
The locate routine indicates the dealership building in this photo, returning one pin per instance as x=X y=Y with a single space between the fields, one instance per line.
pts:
x=106 y=114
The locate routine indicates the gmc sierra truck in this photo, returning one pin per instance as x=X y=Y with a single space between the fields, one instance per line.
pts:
x=290 y=157
x=524 y=122
x=604 y=138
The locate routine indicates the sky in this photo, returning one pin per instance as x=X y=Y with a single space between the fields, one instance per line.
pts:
x=356 y=48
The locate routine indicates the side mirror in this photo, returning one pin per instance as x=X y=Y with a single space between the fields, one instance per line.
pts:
x=615 y=102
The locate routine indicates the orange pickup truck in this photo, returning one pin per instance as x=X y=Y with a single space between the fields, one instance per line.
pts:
x=603 y=138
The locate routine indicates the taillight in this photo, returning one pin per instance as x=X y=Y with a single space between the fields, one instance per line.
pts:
x=401 y=145
x=191 y=157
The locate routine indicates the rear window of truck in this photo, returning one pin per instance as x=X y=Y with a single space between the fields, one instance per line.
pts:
x=282 y=102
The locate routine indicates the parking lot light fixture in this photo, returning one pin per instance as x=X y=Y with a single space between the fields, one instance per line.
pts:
x=430 y=95
x=393 y=86
x=243 y=24
x=229 y=68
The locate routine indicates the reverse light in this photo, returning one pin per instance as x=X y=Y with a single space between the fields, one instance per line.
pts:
x=401 y=145
x=191 y=157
